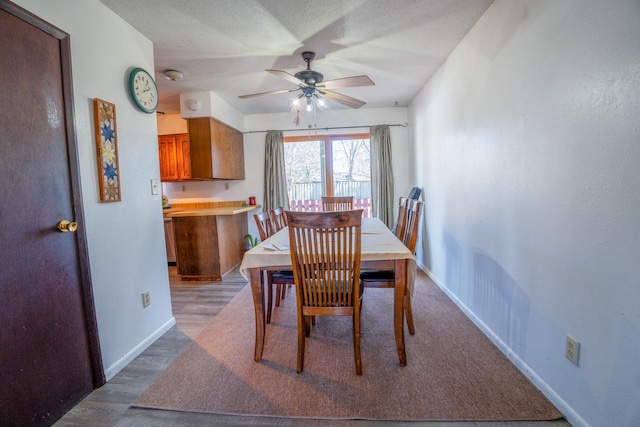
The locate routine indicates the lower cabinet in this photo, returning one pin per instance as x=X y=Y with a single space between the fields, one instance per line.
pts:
x=210 y=246
x=169 y=241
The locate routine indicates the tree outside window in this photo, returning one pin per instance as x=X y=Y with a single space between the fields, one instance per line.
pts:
x=333 y=165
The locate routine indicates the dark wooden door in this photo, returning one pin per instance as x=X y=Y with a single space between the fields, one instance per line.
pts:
x=49 y=352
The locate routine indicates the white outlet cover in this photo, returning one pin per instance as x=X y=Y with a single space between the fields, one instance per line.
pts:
x=155 y=189
x=572 y=350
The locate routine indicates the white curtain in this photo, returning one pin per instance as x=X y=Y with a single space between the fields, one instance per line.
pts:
x=382 y=174
x=275 y=178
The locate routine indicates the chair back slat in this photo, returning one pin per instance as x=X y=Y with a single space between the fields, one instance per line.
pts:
x=278 y=218
x=402 y=217
x=263 y=222
x=410 y=232
x=337 y=203
x=325 y=255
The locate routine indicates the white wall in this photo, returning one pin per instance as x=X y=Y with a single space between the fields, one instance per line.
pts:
x=125 y=239
x=171 y=123
x=253 y=185
x=529 y=139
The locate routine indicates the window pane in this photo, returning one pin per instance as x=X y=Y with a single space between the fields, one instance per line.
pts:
x=304 y=164
x=352 y=170
x=345 y=172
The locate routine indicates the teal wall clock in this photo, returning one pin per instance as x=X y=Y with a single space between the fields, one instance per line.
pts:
x=143 y=90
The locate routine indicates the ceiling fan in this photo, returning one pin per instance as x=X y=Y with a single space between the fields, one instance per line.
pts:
x=311 y=84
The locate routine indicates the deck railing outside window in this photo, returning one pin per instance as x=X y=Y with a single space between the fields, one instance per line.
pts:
x=306 y=196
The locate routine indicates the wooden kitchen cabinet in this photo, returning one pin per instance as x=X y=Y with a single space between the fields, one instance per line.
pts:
x=170 y=241
x=209 y=246
x=217 y=150
x=175 y=157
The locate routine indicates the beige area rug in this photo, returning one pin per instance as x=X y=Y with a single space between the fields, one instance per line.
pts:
x=453 y=371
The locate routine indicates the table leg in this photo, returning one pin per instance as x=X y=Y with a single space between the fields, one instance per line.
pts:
x=258 y=304
x=400 y=278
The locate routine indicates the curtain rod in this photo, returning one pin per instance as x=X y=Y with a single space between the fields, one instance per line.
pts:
x=404 y=125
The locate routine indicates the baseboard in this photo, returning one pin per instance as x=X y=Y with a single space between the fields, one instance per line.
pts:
x=574 y=419
x=112 y=370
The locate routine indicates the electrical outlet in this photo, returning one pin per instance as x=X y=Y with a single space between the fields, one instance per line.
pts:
x=146 y=299
x=226 y=185
x=572 y=350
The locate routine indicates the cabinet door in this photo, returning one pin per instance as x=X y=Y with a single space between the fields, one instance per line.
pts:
x=228 y=150
x=168 y=154
x=200 y=145
x=217 y=150
x=170 y=241
x=184 y=156
x=175 y=157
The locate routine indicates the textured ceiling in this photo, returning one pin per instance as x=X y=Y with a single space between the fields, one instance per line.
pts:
x=226 y=45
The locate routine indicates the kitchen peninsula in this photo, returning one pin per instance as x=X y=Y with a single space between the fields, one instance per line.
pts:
x=210 y=237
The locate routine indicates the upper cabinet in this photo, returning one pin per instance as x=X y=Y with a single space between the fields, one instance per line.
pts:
x=217 y=150
x=175 y=157
x=211 y=150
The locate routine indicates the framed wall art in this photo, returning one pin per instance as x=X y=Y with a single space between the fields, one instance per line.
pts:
x=107 y=151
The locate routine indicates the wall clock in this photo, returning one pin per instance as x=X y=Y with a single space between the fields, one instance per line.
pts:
x=143 y=90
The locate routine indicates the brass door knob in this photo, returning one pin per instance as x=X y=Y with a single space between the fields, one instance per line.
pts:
x=65 y=226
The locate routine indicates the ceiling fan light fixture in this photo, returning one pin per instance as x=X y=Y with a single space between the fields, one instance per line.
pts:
x=173 y=75
x=322 y=103
x=308 y=104
x=311 y=83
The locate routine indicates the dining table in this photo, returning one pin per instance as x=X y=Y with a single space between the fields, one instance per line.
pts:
x=381 y=250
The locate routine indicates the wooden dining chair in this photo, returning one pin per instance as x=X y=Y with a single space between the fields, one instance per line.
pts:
x=413 y=194
x=399 y=227
x=408 y=234
x=337 y=203
x=278 y=222
x=325 y=255
x=278 y=279
x=263 y=222
x=278 y=218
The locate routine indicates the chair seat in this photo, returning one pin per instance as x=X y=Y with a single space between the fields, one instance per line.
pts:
x=375 y=275
x=283 y=275
x=338 y=286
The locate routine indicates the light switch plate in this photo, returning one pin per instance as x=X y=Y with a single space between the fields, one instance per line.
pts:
x=154 y=187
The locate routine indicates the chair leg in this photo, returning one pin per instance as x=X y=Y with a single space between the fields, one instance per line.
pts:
x=356 y=343
x=301 y=335
x=278 y=293
x=408 y=313
x=269 y=299
x=307 y=324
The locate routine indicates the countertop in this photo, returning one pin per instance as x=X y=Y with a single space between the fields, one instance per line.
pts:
x=207 y=211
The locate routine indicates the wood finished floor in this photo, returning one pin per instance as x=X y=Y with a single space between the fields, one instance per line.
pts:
x=195 y=304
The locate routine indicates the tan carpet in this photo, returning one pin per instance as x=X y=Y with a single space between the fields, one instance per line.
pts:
x=453 y=371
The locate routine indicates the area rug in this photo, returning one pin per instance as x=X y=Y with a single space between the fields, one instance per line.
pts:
x=453 y=371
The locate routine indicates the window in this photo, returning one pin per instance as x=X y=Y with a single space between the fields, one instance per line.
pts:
x=332 y=165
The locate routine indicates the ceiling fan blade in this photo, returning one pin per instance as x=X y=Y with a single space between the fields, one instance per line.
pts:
x=342 y=99
x=273 y=92
x=354 y=81
x=288 y=77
